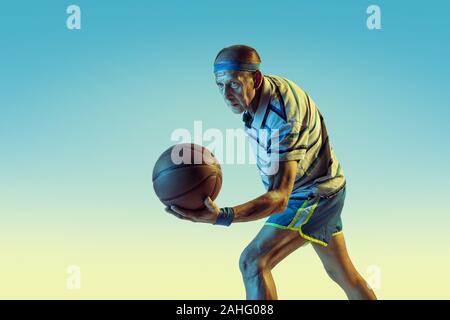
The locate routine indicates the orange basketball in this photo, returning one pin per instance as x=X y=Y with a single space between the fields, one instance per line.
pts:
x=185 y=174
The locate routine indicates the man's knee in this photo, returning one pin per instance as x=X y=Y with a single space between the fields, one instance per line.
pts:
x=251 y=263
x=334 y=273
x=342 y=276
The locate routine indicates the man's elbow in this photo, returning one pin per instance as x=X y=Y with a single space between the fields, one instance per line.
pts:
x=281 y=201
x=283 y=204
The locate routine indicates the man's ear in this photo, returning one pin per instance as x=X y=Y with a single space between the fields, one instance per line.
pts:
x=257 y=79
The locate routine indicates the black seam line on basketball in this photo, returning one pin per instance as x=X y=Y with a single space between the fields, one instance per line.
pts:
x=178 y=167
x=186 y=192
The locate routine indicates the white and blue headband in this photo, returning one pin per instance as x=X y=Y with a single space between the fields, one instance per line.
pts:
x=235 y=66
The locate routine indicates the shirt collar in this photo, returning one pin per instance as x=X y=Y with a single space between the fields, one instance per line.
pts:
x=255 y=121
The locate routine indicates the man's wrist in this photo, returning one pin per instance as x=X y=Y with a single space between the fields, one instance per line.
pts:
x=225 y=217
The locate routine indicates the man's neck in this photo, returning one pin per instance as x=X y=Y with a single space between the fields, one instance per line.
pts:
x=255 y=102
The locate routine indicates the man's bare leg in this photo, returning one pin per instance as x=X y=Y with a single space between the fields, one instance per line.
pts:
x=265 y=251
x=340 y=268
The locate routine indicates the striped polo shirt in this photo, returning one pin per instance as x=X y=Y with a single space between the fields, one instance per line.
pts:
x=287 y=125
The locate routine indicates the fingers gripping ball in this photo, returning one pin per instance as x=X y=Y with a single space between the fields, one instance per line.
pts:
x=185 y=174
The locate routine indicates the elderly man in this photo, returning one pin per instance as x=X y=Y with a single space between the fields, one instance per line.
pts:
x=305 y=194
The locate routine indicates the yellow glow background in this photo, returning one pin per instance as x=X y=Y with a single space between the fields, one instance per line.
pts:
x=84 y=115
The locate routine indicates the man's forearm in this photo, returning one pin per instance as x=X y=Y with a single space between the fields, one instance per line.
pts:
x=261 y=207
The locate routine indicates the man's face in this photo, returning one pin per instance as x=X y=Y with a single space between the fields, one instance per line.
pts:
x=237 y=89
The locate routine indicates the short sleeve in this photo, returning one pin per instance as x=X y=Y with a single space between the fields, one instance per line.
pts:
x=289 y=142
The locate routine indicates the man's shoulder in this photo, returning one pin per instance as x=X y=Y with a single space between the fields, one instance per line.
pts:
x=283 y=84
x=286 y=102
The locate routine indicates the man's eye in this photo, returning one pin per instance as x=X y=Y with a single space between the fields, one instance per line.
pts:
x=234 y=85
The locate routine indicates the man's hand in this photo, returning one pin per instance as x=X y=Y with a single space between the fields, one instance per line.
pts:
x=207 y=215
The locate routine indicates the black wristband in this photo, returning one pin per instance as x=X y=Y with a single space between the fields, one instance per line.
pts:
x=225 y=217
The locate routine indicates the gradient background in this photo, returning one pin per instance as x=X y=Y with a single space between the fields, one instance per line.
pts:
x=84 y=114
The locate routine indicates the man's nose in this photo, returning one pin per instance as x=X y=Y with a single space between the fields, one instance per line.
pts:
x=227 y=92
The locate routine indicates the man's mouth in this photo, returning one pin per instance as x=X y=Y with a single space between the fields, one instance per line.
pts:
x=234 y=104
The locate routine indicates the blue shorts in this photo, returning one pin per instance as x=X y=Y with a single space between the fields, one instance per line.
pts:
x=317 y=219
